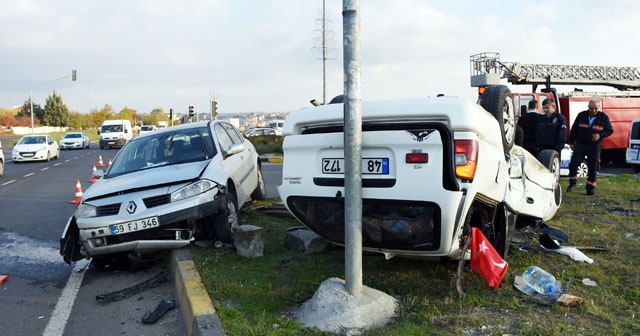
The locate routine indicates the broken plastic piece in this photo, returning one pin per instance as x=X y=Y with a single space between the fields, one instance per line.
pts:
x=3 y=278
x=589 y=282
x=574 y=253
x=162 y=308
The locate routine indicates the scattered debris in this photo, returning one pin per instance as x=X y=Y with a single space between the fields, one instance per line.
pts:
x=155 y=281
x=570 y=300
x=566 y=300
x=162 y=308
x=589 y=282
x=632 y=235
x=3 y=278
x=277 y=209
x=621 y=211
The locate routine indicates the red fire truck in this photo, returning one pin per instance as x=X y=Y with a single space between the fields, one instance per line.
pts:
x=621 y=106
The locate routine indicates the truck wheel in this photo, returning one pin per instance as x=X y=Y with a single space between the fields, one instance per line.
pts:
x=498 y=101
x=227 y=219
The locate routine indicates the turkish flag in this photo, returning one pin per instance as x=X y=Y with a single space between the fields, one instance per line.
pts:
x=485 y=260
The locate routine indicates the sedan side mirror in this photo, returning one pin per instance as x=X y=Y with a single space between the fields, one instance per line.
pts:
x=235 y=149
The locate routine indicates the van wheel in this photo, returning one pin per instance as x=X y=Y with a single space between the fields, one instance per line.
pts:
x=227 y=219
x=498 y=101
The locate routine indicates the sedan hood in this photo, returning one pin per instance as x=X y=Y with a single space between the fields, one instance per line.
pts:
x=146 y=178
x=29 y=148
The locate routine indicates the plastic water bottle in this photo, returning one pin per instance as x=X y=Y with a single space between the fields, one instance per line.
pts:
x=541 y=281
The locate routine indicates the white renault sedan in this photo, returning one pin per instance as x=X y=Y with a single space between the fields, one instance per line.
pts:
x=39 y=147
x=74 y=140
x=165 y=189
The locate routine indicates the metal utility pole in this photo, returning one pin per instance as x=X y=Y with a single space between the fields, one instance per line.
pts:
x=324 y=43
x=324 y=53
x=73 y=78
x=352 y=147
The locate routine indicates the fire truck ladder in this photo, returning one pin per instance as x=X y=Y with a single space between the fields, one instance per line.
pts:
x=487 y=69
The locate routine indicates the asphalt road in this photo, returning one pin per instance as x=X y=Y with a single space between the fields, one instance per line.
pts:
x=44 y=295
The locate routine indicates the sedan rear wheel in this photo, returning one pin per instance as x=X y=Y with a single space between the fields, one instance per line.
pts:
x=260 y=192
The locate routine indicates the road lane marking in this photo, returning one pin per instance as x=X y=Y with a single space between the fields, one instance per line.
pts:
x=45 y=168
x=61 y=312
x=67 y=160
x=28 y=175
x=57 y=164
x=8 y=182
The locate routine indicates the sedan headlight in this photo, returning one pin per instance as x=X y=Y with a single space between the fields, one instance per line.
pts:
x=85 y=210
x=193 y=189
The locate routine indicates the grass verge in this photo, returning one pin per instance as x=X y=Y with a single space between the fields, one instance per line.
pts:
x=252 y=296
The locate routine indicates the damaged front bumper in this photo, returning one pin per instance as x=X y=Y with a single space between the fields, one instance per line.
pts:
x=175 y=230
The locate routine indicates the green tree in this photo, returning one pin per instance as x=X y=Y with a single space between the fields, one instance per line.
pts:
x=56 y=113
x=25 y=111
x=127 y=113
x=156 y=115
x=96 y=117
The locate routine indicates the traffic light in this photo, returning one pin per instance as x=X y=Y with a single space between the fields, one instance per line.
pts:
x=214 y=109
x=190 y=111
x=73 y=75
x=171 y=114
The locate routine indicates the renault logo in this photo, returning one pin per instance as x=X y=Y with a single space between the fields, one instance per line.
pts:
x=131 y=207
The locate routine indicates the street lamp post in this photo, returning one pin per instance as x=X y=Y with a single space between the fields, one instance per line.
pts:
x=213 y=81
x=73 y=78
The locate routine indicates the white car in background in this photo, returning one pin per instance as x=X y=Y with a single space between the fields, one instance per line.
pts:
x=565 y=159
x=633 y=150
x=147 y=128
x=165 y=189
x=1 y=161
x=39 y=147
x=75 y=140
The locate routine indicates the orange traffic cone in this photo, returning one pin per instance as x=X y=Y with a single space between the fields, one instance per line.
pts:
x=93 y=178
x=100 y=163
x=78 y=193
x=3 y=278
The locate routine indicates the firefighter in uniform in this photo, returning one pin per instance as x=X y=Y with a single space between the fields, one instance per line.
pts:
x=551 y=129
x=587 y=132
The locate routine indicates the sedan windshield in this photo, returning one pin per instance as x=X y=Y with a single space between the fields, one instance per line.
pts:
x=73 y=135
x=161 y=149
x=30 y=140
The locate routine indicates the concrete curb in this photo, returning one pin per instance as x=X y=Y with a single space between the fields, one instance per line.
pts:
x=197 y=310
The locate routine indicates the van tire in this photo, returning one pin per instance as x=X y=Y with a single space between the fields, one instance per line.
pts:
x=498 y=101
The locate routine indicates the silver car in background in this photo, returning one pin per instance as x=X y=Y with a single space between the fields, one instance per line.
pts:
x=74 y=140
x=164 y=190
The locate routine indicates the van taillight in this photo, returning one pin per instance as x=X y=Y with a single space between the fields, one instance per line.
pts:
x=466 y=156
x=416 y=158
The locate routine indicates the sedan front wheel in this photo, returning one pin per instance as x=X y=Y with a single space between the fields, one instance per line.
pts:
x=227 y=219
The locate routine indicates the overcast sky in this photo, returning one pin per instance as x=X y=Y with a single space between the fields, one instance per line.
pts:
x=263 y=56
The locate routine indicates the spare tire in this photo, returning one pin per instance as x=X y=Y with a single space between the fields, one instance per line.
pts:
x=498 y=101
